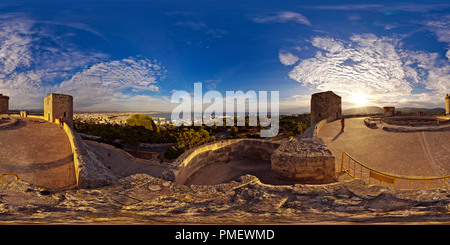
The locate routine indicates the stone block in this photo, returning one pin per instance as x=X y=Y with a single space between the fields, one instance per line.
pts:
x=304 y=160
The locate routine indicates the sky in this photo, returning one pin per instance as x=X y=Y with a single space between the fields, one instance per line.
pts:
x=132 y=55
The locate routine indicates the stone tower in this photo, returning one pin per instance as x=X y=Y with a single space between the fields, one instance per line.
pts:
x=325 y=105
x=447 y=104
x=4 y=104
x=59 y=105
x=389 y=111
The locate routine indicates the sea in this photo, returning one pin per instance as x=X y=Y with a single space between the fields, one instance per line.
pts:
x=163 y=115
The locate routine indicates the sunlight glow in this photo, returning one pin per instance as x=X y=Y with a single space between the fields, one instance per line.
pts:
x=360 y=99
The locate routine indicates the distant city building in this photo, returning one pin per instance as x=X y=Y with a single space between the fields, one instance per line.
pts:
x=59 y=105
x=325 y=105
x=4 y=104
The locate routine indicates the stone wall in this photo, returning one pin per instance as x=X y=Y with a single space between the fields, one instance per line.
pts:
x=90 y=171
x=220 y=151
x=305 y=160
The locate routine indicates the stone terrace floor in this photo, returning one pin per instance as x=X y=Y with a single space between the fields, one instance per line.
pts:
x=38 y=152
x=425 y=153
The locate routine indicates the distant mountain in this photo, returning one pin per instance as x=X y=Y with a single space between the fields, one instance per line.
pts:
x=367 y=110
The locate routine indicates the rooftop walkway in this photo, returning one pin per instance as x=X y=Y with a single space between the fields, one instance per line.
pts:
x=422 y=153
x=38 y=152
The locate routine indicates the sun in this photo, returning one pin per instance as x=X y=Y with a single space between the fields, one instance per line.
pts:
x=360 y=99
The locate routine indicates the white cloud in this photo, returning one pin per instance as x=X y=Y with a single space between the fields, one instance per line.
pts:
x=34 y=60
x=377 y=66
x=408 y=7
x=441 y=28
x=368 y=65
x=328 y=44
x=283 y=17
x=349 y=7
x=287 y=58
x=124 y=102
x=15 y=43
x=104 y=82
x=299 y=103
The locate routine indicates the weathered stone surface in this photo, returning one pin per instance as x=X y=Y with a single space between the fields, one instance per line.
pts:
x=304 y=160
x=90 y=171
x=133 y=200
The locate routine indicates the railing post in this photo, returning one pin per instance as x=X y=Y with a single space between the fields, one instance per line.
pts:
x=361 y=172
x=348 y=163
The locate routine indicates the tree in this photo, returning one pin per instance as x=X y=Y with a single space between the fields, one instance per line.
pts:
x=142 y=120
x=130 y=135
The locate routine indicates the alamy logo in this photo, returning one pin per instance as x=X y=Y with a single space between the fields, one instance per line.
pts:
x=235 y=105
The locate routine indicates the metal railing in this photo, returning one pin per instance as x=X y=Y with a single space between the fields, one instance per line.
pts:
x=354 y=168
x=6 y=174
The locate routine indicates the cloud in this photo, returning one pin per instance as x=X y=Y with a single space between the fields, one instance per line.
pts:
x=15 y=42
x=441 y=28
x=201 y=26
x=377 y=66
x=370 y=65
x=287 y=58
x=105 y=82
x=193 y=25
x=408 y=7
x=349 y=7
x=299 y=103
x=282 y=17
x=135 y=103
x=35 y=61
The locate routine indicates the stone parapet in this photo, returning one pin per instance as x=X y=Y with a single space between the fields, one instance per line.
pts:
x=7 y=121
x=219 y=151
x=90 y=171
